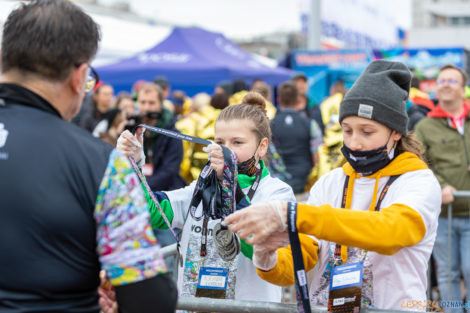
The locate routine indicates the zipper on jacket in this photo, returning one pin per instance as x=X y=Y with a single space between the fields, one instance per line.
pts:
x=465 y=148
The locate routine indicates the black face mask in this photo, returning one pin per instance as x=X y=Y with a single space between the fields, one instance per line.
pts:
x=370 y=161
x=154 y=115
x=248 y=167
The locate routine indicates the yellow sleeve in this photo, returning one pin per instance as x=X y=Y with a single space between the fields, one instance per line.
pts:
x=385 y=231
x=283 y=273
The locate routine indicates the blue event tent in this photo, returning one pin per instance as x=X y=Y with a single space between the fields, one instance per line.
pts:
x=193 y=60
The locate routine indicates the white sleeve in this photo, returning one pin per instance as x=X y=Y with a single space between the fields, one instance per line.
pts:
x=420 y=191
x=180 y=200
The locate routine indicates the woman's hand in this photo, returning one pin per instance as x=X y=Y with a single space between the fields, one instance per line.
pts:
x=257 y=222
x=131 y=145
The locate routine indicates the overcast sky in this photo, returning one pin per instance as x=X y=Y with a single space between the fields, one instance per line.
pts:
x=244 y=18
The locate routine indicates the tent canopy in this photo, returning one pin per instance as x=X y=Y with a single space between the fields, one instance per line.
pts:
x=193 y=60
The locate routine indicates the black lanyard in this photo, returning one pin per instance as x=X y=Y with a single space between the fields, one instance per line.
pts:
x=377 y=206
x=303 y=304
x=176 y=135
x=255 y=185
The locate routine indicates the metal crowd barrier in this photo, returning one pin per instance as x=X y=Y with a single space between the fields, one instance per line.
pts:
x=229 y=306
x=232 y=306
x=236 y=306
x=457 y=194
x=169 y=251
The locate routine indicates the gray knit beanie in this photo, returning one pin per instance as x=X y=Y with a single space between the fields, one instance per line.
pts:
x=380 y=94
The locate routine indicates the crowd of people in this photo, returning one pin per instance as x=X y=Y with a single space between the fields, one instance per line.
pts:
x=365 y=177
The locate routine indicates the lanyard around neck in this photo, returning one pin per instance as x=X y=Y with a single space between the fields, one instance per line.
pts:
x=255 y=185
x=377 y=206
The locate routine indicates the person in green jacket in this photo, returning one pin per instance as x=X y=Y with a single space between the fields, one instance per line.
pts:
x=445 y=134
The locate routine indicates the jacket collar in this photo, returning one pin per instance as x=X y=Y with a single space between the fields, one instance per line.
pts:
x=20 y=95
x=437 y=111
x=403 y=163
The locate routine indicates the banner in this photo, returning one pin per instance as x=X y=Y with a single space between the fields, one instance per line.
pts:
x=324 y=68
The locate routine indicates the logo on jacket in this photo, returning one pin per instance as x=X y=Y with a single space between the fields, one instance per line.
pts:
x=289 y=120
x=3 y=135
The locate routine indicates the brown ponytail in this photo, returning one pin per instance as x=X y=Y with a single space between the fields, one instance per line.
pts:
x=409 y=143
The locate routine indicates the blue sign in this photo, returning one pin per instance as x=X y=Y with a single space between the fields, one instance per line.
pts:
x=324 y=68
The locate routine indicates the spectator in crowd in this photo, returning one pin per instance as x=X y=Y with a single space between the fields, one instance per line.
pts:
x=296 y=137
x=68 y=202
x=219 y=101
x=125 y=103
x=102 y=99
x=181 y=103
x=311 y=110
x=263 y=89
x=200 y=123
x=224 y=87
x=444 y=134
x=330 y=152
x=111 y=126
x=163 y=83
x=421 y=104
x=136 y=87
x=379 y=210
x=163 y=154
x=240 y=89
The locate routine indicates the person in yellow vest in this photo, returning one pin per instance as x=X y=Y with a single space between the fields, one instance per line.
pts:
x=200 y=123
x=329 y=153
x=376 y=216
x=240 y=90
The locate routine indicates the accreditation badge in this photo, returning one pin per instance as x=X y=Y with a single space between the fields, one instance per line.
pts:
x=346 y=288
x=212 y=282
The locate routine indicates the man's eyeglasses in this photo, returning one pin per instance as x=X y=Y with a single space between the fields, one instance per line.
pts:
x=441 y=82
x=92 y=79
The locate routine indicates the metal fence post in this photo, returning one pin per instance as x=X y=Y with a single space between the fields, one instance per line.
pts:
x=169 y=251
x=449 y=242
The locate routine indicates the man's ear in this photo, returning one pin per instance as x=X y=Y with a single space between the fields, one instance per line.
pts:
x=78 y=78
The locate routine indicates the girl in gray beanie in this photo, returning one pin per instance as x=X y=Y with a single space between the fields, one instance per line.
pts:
x=371 y=223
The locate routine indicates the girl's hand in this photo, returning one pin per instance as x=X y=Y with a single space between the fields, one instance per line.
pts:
x=131 y=145
x=265 y=254
x=257 y=222
x=216 y=157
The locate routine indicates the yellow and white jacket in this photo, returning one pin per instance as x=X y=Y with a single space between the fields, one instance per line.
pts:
x=399 y=238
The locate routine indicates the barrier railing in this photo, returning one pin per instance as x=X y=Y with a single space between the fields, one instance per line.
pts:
x=456 y=194
x=169 y=251
x=236 y=306
x=229 y=306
